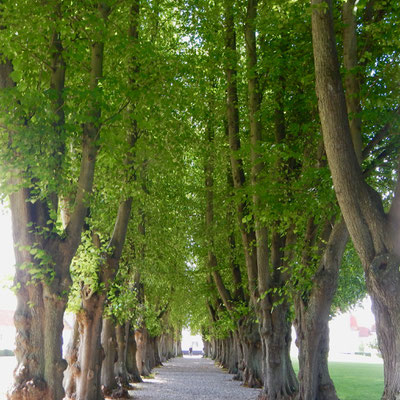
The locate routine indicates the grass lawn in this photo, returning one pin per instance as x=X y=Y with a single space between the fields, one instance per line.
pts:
x=356 y=381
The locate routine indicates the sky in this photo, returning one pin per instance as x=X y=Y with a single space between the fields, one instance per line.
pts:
x=7 y=261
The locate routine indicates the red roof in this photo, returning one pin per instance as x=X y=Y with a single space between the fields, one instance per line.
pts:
x=364 y=332
x=353 y=323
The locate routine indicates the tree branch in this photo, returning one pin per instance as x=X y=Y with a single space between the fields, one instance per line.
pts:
x=380 y=135
x=91 y=131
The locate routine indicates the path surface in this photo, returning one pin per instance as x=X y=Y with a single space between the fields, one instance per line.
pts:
x=7 y=365
x=192 y=378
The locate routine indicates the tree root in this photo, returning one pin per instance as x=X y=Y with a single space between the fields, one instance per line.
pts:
x=119 y=393
x=277 y=396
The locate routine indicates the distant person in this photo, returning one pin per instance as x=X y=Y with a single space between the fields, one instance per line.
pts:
x=190 y=351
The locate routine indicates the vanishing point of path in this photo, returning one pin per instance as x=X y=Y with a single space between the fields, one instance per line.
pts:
x=192 y=378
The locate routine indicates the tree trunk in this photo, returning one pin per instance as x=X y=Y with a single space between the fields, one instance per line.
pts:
x=42 y=295
x=278 y=375
x=39 y=318
x=383 y=283
x=39 y=323
x=233 y=361
x=178 y=346
x=121 y=372
x=142 y=337
x=238 y=352
x=250 y=367
x=108 y=341
x=152 y=352
x=91 y=353
x=314 y=379
x=280 y=381
x=131 y=365
x=166 y=347
x=312 y=318
x=213 y=348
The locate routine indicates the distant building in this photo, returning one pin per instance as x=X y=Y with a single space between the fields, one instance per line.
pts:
x=194 y=342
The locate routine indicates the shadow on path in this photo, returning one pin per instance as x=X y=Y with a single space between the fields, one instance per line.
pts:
x=191 y=378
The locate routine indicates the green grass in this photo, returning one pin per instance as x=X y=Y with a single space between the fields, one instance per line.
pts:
x=355 y=381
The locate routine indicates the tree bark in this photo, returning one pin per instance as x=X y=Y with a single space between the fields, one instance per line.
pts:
x=374 y=233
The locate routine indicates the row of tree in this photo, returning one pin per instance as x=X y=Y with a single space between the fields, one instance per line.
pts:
x=287 y=229
x=78 y=138
x=165 y=165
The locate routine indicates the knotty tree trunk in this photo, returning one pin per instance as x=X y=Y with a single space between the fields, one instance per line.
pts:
x=374 y=233
x=250 y=367
x=279 y=378
x=89 y=318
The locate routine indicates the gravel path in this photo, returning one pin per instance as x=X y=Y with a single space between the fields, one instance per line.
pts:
x=192 y=378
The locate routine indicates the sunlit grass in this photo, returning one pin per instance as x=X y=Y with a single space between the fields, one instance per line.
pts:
x=356 y=381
